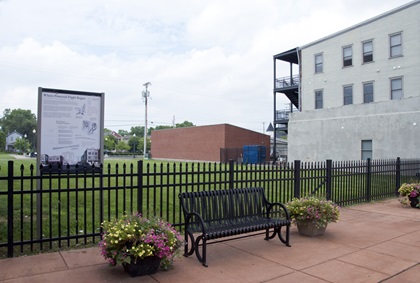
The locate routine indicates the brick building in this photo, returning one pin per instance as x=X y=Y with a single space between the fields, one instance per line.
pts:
x=203 y=142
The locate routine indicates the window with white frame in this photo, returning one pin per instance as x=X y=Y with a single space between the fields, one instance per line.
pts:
x=367 y=149
x=318 y=63
x=396 y=88
x=348 y=94
x=395 y=42
x=347 y=56
x=368 y=92
x=367 y=51
x=319 y=99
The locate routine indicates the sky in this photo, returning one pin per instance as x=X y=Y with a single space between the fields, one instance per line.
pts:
x=208 y=61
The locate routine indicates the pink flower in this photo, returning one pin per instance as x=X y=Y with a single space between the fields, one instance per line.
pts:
x=414 y=194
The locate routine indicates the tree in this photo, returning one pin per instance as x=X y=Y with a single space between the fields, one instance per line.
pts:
x=123 y=132
x=22 y=145
x=134 y=143
x=184 y=124
x=2 y=141
x=149 y=130
x=138 y=130
x=22 y=121
x=110 y=143
x=148 y=144
x=122 y=146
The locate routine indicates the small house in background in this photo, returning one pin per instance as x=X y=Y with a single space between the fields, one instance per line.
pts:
x=115 y=134
x=11 y=139
x=218 y=143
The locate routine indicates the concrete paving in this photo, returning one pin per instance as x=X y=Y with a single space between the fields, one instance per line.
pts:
x=376 y=242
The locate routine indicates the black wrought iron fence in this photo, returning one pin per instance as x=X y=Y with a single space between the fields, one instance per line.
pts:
x=54 y=211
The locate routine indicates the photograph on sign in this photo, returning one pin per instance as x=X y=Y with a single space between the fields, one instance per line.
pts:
x=70 y=130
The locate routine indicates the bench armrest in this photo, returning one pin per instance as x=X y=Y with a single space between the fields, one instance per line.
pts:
x=188 y=219
x=271 y=205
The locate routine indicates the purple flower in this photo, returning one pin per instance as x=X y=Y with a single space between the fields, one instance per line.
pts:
x=414 y=194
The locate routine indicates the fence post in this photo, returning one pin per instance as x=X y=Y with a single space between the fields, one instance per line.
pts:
x=231 y=175
x=10 y=209
x=140 y=186
x=101 y=196
x=368 y=180
x=296 y=176
x=397 y=176
x=328 y=179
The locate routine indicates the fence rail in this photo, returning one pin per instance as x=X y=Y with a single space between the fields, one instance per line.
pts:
x=50 y=211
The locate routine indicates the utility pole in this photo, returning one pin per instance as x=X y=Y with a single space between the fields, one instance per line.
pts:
x=145 y=95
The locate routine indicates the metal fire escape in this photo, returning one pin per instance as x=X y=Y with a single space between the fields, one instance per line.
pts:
x=289 y=86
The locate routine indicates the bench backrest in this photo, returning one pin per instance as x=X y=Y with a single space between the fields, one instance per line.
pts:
x=225 y=206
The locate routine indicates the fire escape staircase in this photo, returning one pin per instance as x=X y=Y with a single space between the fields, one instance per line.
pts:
x=289 y=86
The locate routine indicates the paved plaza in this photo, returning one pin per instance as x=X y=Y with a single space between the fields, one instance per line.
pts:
x=375 y=242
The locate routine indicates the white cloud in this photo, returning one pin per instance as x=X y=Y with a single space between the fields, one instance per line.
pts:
x=209 y=61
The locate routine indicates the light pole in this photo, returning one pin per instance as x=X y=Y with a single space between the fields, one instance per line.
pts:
x=134 y=145
x=145 y=95
x=34 y=137
x=24 y=144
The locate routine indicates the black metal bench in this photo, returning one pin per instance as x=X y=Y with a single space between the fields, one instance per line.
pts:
x=211 y=215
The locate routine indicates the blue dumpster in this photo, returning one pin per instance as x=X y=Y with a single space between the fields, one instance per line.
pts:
x=254 y=154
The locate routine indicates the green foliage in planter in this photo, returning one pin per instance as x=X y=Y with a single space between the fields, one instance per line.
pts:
x=318 y=211
x=139 y=237
x=407 y=191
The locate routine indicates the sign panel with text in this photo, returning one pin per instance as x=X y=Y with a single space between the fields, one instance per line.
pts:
x=70 y=130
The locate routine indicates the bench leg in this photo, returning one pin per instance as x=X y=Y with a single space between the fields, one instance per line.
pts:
x=187 y=251
x=203 y=256
x=282 y=239
x=277 y=231
x=267 y=233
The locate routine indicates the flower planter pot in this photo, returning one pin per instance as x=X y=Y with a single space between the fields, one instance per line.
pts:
x=309 y=229
x=414 y=202
x=143 y=266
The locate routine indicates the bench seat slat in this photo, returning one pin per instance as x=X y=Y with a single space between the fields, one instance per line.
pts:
x=240 y=228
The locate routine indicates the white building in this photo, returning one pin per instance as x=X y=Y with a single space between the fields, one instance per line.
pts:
x=11 y=139
x=357 y=91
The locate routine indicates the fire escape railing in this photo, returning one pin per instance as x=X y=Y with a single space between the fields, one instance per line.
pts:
x=282 y=115
x=287 y=81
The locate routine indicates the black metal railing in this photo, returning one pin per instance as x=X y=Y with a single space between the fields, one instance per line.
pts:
x=282 y=115
x=288 y=81
x=65 y=210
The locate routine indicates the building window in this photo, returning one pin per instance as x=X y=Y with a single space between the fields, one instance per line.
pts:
x=366 y=149
x=396 y=88
x=348 y=94
x=318 y=63
x=347 y=56
x=367 y=51
x=367 y=92
x=318 y=99
x=395 y=41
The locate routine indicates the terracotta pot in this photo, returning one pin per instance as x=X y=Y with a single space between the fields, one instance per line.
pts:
x=309 y=229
